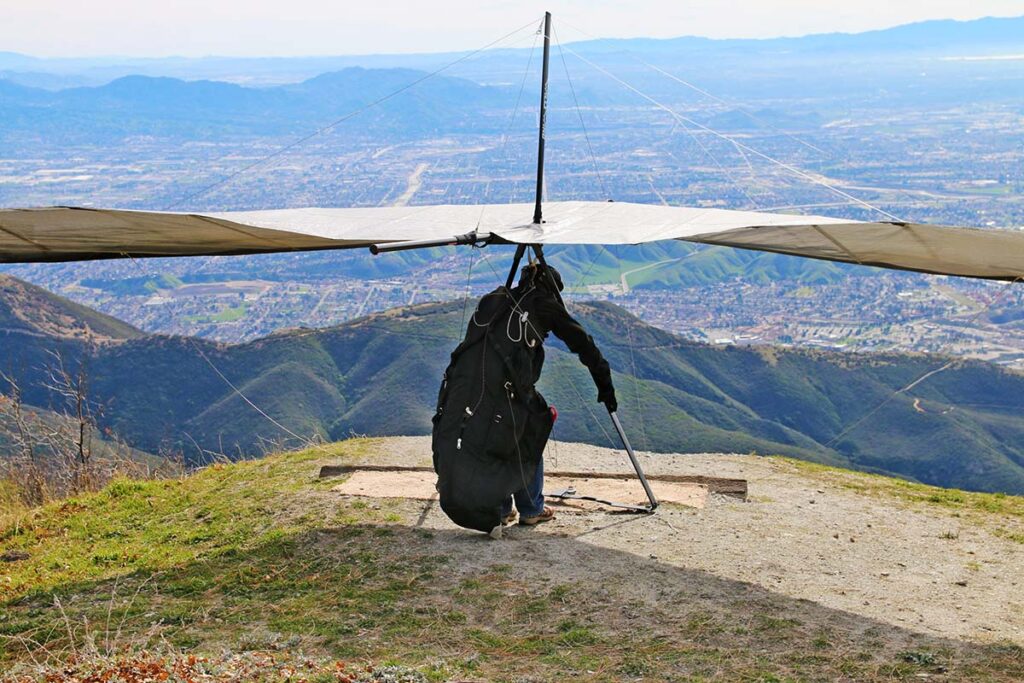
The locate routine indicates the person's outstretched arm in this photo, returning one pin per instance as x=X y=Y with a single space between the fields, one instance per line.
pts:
x=566 y=328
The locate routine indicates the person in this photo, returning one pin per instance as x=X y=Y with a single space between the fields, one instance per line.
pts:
x=491 y=424
x=546 y=314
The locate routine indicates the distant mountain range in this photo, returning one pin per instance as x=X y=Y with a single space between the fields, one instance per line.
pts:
x=214 y=97
x=940 y=37
x=202 y=109
x=378 y=375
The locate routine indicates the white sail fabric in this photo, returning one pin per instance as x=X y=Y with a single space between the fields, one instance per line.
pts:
x=68 y=234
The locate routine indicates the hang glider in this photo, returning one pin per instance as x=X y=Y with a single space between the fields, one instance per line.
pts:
x=74 y=234
x=59 y=234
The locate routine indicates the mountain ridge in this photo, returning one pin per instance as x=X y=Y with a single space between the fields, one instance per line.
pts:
x=987 y=28
x=173 y=106
x=378 y=375
x=25 y=308
x=987 y=34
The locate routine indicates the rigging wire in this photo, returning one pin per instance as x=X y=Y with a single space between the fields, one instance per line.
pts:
x=739 y=107
x=700 y=126
x=503 y=149
x=618 y=260
x=632 y=357
x=725 y=171
x=586 y=405
x=568 y=375
x=741 y=147
x=465 y=298
x=745 y=110
x=223 y=181
x=579 y=112
x=337 y=122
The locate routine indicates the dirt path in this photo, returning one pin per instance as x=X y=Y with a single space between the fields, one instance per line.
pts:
x=625 y=283
x=922 y=569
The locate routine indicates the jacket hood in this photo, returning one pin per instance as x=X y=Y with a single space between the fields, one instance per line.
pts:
x=539 y=276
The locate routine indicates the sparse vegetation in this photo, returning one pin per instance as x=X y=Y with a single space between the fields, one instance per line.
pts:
x=49 y=455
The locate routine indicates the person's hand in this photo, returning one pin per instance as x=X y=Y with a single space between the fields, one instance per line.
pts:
x=607 y=397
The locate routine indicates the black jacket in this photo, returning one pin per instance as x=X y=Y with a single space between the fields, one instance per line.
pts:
x=491 y=424
x=547 y=314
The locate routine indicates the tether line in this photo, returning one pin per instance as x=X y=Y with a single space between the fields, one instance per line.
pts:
x=343 y=119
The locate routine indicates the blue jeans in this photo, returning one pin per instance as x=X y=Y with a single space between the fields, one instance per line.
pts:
x=529 y=501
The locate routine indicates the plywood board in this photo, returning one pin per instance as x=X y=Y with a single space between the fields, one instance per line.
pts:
x=419 y=485
x=720 y=485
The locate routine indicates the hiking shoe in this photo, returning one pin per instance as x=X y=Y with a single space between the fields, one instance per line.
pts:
x=510 y=518
x=546 y=515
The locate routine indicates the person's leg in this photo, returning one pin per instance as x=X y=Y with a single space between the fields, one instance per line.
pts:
x=530 y=501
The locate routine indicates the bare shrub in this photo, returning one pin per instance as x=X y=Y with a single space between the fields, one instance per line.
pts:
x=49 y=455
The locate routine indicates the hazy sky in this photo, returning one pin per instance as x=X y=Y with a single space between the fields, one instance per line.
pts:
x=318 y=27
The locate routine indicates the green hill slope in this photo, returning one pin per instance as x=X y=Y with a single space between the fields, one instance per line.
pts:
x=379 y=376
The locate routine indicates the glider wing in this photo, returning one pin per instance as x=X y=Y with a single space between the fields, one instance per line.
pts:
x=72 y=234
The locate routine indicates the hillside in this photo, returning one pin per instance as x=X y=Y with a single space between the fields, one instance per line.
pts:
x=29 y=310
x=379 y=376
x=862 y=579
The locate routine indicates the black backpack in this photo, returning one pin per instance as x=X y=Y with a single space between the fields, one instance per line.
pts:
x=491 y=425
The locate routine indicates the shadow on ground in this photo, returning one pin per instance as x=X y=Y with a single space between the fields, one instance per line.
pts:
x=455 y=604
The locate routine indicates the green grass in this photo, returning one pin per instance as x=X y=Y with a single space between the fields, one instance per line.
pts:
x=11 y=507
x=260 y=556
x=991 y=190
x=231 y=314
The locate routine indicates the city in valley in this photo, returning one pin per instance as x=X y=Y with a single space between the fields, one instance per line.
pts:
x=945 y=164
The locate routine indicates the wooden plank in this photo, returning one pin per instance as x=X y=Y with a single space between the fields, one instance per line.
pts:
x=723 y=486
x=418 y=484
